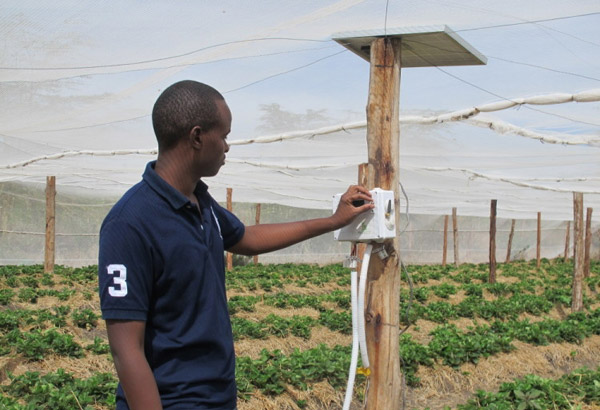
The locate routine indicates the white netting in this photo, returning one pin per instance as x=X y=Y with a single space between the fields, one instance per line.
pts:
x=78 y=81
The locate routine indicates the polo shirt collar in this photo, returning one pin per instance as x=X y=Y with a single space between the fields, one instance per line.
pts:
x=175 y=198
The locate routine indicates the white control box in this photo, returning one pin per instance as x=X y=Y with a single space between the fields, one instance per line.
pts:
x=371 y=226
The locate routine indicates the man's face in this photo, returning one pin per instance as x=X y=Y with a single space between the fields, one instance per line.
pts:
x=214 y=142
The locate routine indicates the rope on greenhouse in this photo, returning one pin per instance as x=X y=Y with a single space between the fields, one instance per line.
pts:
x=510 y=181
x=459 y=115
x=301 y=134
x=67 y=154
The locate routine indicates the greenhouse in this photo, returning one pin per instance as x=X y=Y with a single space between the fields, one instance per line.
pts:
x=495 y=117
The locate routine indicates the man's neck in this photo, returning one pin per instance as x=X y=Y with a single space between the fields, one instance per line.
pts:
x=171 y=168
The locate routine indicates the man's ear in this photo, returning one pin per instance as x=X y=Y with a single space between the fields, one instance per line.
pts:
x=196 y=137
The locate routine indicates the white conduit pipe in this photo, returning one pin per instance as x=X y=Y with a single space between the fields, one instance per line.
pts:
x=359 y=339
x=362 y=290
x=354 y=355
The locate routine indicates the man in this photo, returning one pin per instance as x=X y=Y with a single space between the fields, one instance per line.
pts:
x=161 y=273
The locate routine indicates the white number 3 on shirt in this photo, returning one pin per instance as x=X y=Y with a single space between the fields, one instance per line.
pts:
x=120 y=280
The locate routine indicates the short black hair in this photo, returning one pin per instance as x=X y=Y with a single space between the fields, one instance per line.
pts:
x=181 y=107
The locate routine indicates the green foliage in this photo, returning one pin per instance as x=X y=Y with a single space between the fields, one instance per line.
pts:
x=85 y=318
x=337 y=321
x=444 y=290
x=273 y=370
x=59 y=391
x=98 y=346
x=36 y=344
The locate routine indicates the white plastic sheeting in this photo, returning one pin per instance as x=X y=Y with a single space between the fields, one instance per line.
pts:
x=78 y=80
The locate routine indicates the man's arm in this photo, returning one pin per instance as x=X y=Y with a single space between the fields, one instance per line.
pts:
x=270 y=237
x=126 y=339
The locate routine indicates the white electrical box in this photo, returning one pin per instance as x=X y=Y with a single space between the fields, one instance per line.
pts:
x=371 y=226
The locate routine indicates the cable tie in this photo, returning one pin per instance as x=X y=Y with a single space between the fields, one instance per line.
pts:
x=363 y=371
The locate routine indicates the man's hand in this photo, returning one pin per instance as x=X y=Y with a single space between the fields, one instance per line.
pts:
x=350 y=205
x=263 y=238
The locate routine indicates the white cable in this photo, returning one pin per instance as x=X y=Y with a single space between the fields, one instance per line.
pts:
x=354 y=355
x=359 y=339
x=362 y=290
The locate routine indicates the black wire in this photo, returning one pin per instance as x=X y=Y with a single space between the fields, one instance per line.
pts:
x=544 y=68
x=285 y=72
x=160 y=58
x=528 y=22
x=387 y=3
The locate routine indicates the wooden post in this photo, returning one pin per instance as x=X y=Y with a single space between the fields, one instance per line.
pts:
x=256 y=222
x=567 y=241
x=49 y=247
x=363 y=180
x=538 y=247
x=588 y=243
x=578 y=244
x=384 y=276
x=455 y=236
x=510 y=239
x=229 y=208
x=492 y=278
x=445 y=249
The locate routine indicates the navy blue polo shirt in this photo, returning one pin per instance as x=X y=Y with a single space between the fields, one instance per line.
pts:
x=161 y=261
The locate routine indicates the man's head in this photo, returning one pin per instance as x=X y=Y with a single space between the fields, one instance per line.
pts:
x=181 y=107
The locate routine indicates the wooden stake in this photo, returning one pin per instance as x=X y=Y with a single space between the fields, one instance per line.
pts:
x=455 y=236
x=49 y=247
x=588 y=243
x=578 y=244
x=445 y=249
x=510 y=239
x=383 y=300
x=567 y=241
x=229 y=208
x=363 y=180
x=538 y=247
x=492 y=278
x=256 y=222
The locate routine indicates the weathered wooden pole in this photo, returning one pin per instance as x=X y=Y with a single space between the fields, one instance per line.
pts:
x=567 y=241
x=445 y=249
x=363 y=180
x=510 y=239
x=492 y=278
x=383 y=278
x=382 y=48
x=455 y=236
x=538 y=246
x=229 y=208
x=49 y=247
x=256 y=222
x=578 y=244
x=588 y=243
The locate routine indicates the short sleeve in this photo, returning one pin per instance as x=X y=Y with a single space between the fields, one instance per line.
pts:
x=125 y=274
x=232 y=229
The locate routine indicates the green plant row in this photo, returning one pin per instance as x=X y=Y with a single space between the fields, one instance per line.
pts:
x=33 y=273
x=283 y=300
x=36 y=344
x=272 y=325
x=266 y=277
x=31 y=295
x=58 y=391
x=273 y=370
x=537 y=393
x=84 y=318
x=453 y=347
x=477 y=307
